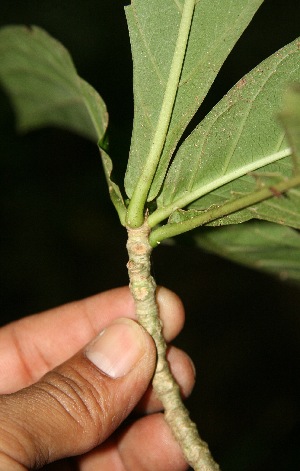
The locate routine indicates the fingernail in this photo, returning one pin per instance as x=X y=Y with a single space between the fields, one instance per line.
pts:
x=117 y=348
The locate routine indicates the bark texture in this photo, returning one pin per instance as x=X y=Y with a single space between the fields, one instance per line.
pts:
x=143 y=288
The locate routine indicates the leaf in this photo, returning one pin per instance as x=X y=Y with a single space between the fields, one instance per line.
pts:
x=238 y=148
x=265 y=246
x=290 y=116
x=281 y=208
x=43 y=84
x=41 y=80
x=114 y=190
x=153 y=28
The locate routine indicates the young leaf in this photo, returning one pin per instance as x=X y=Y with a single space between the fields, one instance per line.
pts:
x=45 y=89
x=261 y=245
x=154 y=27
x=239 y=147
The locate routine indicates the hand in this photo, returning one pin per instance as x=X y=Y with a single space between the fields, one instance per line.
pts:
x=49 y=412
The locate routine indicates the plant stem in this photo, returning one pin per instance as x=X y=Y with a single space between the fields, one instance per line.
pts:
x=189 y=197
x=143 y=289
x=217 y=212
x=135 y=214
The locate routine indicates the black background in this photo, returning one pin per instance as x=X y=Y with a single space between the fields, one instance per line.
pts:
x=61 y=240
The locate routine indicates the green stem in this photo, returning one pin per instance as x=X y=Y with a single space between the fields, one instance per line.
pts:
x=143 y=289
x=189 y=196
x=135 y=213
x=173 y=229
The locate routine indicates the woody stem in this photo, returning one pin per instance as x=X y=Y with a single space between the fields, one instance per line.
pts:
x=143 y=289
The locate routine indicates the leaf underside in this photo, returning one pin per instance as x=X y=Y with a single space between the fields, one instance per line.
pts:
x=153 y=28
x=44 y=87
x=272 y=248
x=264 y=246
x=238 y=148
x=290 y=117
x=114 y=190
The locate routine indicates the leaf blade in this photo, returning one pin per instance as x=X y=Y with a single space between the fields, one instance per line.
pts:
x=265 y=246
x=135 y=215
x=44 y=87
x=290 y=117
x=153 y=47
x=114 y=190
x=234 y=139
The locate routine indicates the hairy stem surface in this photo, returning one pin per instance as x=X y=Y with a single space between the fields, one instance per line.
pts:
x=143 y=288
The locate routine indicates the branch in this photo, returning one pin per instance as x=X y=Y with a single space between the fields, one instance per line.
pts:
x=173 y=229
x=143 y=289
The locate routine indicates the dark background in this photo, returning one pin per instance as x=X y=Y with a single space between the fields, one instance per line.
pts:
x=61 y=240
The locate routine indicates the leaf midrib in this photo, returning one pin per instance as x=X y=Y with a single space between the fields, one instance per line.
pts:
x=210 y=52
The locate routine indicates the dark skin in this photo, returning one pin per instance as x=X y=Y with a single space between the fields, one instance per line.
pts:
x=57 y=406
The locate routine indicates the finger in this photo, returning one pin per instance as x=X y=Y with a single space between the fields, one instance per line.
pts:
x=183 y=371
x=34 y=345
x=145 y=445
x=80 y=403
x=167 y=455
x=171 y=312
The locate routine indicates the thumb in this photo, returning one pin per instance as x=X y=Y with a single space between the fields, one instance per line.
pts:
x=80 y=403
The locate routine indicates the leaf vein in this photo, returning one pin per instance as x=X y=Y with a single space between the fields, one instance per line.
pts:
x=147 y=47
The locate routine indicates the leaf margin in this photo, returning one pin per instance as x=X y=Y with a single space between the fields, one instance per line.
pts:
x=33 y=46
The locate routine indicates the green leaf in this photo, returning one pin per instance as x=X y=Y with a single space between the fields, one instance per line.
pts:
x=261 y=245
x=290 y=116
x=135 y=214
x=182 y=221
x=153 y=28
x=45 y=89
x=114 y=190
x=41 y=80
x=278 y=207
x=238 y=148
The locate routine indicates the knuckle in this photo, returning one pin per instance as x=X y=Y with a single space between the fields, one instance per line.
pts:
x=70 y=405
x=75 y=400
